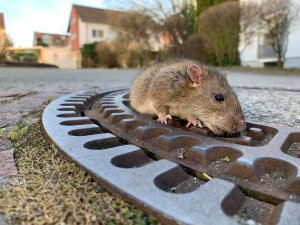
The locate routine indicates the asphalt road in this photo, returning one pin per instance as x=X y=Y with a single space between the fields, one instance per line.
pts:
x=14 y=80
x=52 y=80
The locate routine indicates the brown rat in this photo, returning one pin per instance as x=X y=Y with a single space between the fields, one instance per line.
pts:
x=191 y=91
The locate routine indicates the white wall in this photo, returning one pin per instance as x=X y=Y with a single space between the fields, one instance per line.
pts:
x=249 y=53
x=292 y=57
x=249 y=56
x=86 y=33
x=62 y=57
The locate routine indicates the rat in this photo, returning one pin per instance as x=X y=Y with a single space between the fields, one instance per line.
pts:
x=189 y=90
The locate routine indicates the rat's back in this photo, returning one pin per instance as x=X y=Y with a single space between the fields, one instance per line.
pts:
x=139 y=93
x=155 y=82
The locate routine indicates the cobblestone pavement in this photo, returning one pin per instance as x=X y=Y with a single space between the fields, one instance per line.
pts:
x=264 y=98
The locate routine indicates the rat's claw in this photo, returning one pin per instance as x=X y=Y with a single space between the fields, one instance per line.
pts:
x=196 y=123
x=164 y=118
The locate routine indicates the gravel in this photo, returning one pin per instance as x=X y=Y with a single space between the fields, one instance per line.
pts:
x=271 y=106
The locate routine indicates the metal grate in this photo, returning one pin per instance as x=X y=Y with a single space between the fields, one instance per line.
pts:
x=165 y=169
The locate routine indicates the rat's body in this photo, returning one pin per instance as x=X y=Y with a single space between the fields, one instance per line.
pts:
x=190 y=91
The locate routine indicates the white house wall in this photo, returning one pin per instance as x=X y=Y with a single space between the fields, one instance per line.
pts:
x=86 y=33
x=249 y=55
x=82 y=33
x=292 y=58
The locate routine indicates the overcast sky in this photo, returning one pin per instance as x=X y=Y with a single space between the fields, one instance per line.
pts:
x=23 y=17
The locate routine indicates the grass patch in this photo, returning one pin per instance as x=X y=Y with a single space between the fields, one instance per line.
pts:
x=51 y=190
x=17 y=132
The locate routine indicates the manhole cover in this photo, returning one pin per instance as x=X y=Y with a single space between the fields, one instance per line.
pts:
x=181 y=175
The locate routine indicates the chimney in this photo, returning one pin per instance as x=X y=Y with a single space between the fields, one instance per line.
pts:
x=2 y=26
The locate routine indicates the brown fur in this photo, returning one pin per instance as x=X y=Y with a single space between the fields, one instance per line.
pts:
x=167 y=88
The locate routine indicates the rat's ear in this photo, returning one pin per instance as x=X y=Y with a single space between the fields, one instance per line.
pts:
x=196 y=74
x=224 y=74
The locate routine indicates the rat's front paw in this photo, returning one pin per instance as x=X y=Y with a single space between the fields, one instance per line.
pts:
x=163 y=118
x=196 y=123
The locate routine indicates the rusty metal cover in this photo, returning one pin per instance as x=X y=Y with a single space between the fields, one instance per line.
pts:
x=181 y=175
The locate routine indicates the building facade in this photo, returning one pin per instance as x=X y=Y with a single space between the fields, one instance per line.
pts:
x=51 y=40
x=88 y=25
x=260 y=54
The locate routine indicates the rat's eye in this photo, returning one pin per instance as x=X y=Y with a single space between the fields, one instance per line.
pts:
x=219 y=97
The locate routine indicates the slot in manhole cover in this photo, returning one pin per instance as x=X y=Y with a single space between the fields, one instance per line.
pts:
x=166 y=169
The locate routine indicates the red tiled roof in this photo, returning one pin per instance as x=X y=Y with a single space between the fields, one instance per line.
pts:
x=96 y=15
x=111 y=17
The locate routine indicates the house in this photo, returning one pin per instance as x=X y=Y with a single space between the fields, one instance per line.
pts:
x=62 y=57
x=51 y=40
x=47 y=48
x=89 y=25
x=55 y=49
x=260 y=54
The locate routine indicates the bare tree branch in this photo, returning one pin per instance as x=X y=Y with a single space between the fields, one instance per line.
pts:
x=276 y=18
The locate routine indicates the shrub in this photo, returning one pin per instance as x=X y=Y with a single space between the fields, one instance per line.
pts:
x=219 y=28
x=89 y=55
x=107 y=58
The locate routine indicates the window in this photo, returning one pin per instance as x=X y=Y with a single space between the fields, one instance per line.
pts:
x=97 y=33
x=100 y=33
x=46 y=39
x=57 y=41
x=94 y=33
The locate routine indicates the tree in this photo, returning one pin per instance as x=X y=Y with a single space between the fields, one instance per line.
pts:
x=4 y=43
x=219 y=27
x=275 y=19
x=248 y=23
x=136 y=30
x=174 y=19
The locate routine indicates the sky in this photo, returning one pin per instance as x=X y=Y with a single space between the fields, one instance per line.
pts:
x=23 y=17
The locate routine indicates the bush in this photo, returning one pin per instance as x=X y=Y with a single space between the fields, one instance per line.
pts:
x=89 y=55
x=219 y=28
x=26 y=57
x=106 y=57
x=194 y=48
x=121 y=53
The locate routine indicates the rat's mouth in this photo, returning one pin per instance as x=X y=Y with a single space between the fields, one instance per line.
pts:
x=219 y=132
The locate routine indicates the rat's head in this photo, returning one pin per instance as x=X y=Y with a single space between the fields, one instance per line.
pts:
x=216 y=104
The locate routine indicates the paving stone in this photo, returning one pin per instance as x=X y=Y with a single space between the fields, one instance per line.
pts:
x=7 y=166
x=5 y=144
x=2 y=220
